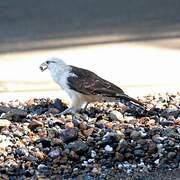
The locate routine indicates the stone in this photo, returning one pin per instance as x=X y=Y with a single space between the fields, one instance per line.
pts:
x=119 y=156
x=54 y=153
x=58 y=104
x=34 y=124
x=88 y=132
x=116 y=116
x=171 y=155
x=152 y=148
x=93 y=153
x=42 y=168
x=135 y=135
x=77 y=146
x=108 y=148
x=69 y=135
x=4 y=123
x=139 y=153
x=69 y=125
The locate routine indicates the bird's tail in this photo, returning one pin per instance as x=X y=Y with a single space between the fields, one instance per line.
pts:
x=133 y=104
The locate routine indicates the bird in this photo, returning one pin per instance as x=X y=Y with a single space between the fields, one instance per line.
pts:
x=84 y=86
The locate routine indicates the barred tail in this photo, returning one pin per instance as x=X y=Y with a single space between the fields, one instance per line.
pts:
x=133 y=104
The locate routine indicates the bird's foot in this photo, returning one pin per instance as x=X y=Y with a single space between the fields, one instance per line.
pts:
x=67 y=111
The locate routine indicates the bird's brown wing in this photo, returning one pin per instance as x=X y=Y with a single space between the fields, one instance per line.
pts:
x=87 y=82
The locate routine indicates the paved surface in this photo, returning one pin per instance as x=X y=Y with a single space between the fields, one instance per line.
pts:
x=138 y=68
x=43 y=24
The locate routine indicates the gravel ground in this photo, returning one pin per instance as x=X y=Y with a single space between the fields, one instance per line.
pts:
x=107 y=141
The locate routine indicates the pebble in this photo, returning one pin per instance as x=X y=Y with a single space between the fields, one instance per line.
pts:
x=54 y=153
x=42 y=168
x=108 y=148
x=69 y=125
x=93 y=153
x=116 y=116
x=88 y=132
x=135 y=135
x=102 y=143
x=139 y=153
x=69 y=135
x=34 y=124
x=4 y=123
x=77 y=146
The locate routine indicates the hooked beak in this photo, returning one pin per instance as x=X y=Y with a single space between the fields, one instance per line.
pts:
x=43 y=66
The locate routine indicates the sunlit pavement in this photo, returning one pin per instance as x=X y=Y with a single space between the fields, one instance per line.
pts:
x=138 y=68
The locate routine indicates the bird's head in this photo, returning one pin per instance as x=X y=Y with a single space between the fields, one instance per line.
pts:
x=52 y=64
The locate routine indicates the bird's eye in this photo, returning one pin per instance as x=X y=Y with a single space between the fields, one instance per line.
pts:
x=48 y=62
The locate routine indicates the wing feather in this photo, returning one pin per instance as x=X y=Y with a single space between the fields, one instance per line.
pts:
x=87 y=82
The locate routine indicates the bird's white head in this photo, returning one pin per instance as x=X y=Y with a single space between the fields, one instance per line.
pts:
x=58 y=68
x=53 y=64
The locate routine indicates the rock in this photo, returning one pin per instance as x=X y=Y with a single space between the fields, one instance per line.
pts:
x=93 y=153
x=177 y=121
x=152 y=148
x=119 y=156
x=4 y=123
x=54 y=153
x=34 y=124
x=38 y=154
x=4 y=142
x=77 y=146
x=69 y=135
x=171 y=155
x=151 y=122
x=74 y=155
x=128 y=156
x=58 y=104
x=135 y=135
x=116 y=116
x=14 y=114
x=69 y=125
x=139 y=153
x=108 y=149
x=45 y=143
x=96 y=170
x=165 y=122
x=42 y=168
x=88 y=132
x=53 y=110
x=109 y=125
x=21 y=152
x=110 y=138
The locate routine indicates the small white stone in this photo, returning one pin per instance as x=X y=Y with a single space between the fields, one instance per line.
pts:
x=120 y=166
x=160 y=147
x=2 y=115
x=93 y=153
x=75 y=169
x=143 y=134
x=4 y=123
x=90 y=160
x=108 y=148
x=156 y=161
x=116 y=116
x=85 y=163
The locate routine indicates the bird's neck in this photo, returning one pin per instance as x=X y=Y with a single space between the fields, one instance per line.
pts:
x=60 y=75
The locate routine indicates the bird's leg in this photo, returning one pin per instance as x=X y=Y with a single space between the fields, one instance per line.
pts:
x=67 y=111
x=84 y=108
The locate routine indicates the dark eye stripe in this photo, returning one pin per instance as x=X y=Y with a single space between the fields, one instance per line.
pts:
x=48 y=62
